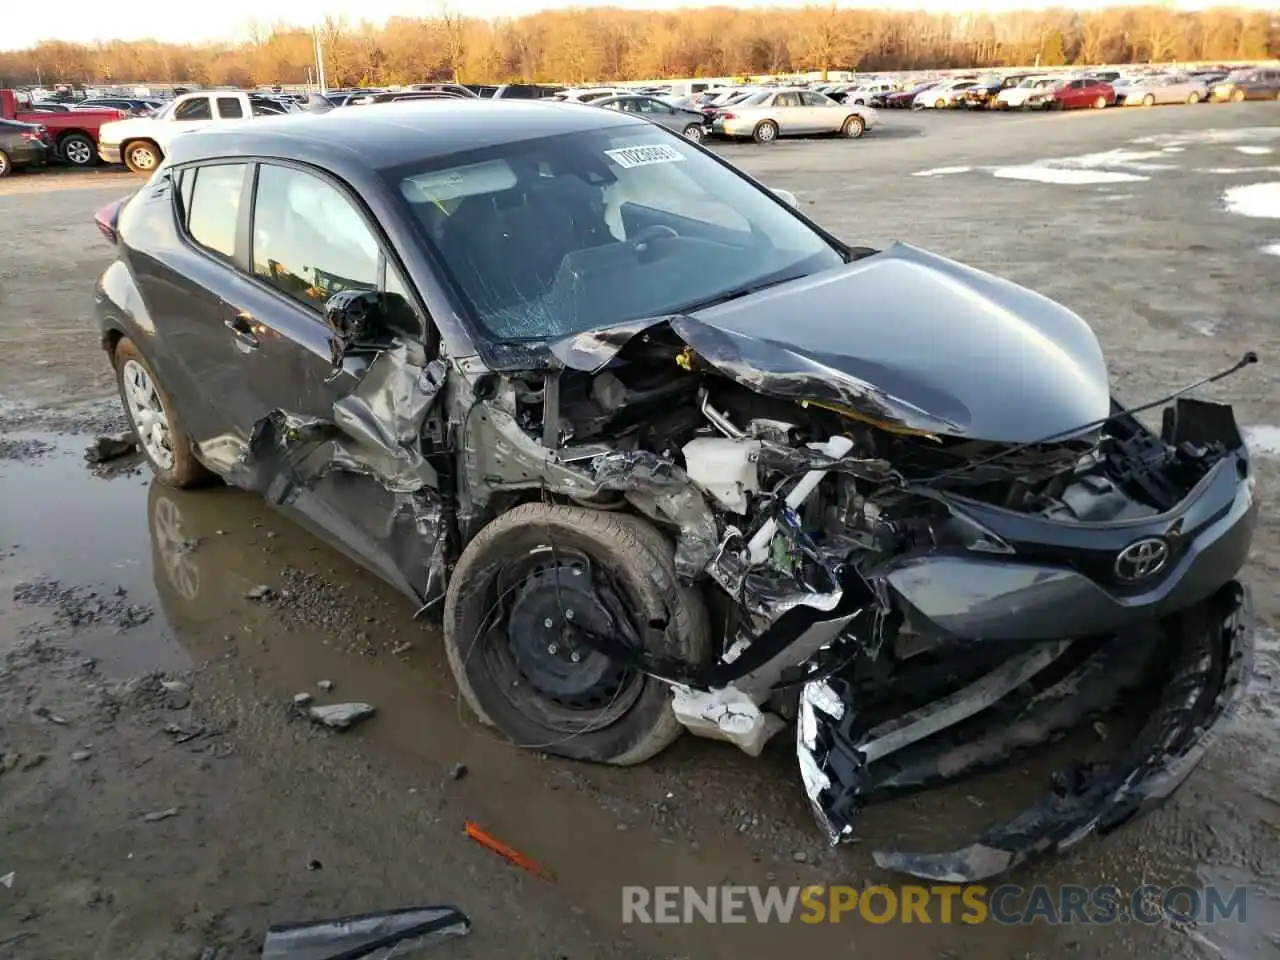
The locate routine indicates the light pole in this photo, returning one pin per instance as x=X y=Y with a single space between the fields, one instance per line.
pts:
x=320 y=62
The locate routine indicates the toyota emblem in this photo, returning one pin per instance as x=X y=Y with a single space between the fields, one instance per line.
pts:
x=1142 y=559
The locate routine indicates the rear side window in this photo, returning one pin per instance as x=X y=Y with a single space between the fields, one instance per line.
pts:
x=196 y=108
x=229 y=108
x=309 y=241
x=213 y=205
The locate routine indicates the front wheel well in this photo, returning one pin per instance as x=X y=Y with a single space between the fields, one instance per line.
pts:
x=64 y=134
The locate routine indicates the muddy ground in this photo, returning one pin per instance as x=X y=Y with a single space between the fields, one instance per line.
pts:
x=139 y=679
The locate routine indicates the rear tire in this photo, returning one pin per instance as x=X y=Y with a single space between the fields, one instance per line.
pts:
x=636 y=721
x=1237 y=96
x=940 y=105
x=693 y=132
x=172 y=460
x=6 y=165
x=766 y=131
x=853 y=127
x=78 y=150
x=1148 y=101
x=1193 y=98
x=141 y=156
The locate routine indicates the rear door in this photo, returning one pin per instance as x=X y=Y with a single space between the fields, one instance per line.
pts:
x=821 y=112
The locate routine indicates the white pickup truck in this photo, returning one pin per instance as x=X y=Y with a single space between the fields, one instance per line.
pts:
x=140 y=143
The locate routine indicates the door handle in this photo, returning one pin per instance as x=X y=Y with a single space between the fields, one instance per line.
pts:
x=241 y=327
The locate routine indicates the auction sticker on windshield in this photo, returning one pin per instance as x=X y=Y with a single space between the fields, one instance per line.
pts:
x=642 y=156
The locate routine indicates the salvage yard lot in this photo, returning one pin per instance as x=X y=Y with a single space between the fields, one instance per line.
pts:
x=1133 y=219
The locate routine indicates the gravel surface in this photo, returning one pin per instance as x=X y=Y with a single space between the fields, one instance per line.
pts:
x=125 y=612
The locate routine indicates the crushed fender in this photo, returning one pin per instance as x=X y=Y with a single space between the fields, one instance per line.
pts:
x=1204 y=683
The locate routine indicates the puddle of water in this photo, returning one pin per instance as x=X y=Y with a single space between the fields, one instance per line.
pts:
x=1254 y=200
x=941 y=171
x=1041 y=173
x=1254 y=151
x=88 y=532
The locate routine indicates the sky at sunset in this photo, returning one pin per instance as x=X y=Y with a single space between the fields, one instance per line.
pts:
x=27 y=23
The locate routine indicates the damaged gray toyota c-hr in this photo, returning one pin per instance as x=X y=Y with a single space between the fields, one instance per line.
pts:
x=664 y=454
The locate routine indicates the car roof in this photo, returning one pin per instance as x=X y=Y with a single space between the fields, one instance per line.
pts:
x=393 y=134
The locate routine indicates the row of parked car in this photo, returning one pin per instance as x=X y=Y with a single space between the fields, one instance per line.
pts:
x=1064 y=91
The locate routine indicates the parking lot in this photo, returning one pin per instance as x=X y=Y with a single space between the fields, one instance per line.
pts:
x=1161 y=227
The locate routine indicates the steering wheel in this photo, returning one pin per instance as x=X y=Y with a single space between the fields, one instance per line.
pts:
x=640 y=242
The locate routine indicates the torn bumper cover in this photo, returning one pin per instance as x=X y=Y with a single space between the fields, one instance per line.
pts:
x=1195 y=669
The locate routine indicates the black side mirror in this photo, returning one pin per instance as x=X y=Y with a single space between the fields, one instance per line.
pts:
x=359 y=323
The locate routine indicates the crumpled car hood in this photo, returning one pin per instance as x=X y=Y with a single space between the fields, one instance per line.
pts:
x=903 y=337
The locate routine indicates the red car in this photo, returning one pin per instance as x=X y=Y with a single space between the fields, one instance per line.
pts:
x=1084 y=92
x=73 y=135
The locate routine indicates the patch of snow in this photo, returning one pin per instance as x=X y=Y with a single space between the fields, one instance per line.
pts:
x=1254 y=151
x=1273 y=249
x=1133 y=159
x=1204 y=327
x=1174 y=150
x=1042 y=173
x=1263 y=440
x=941 y=171
x=1242 y=135
x=1254 y=200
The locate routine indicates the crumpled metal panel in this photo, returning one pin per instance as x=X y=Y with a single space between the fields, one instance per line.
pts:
x=374 y=432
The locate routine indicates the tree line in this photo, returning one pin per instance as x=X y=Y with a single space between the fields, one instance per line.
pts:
x=607 y=43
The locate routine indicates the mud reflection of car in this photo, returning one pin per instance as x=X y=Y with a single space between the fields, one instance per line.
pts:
x=665 y=399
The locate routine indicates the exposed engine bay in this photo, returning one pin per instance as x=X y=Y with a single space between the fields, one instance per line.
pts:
x=680 y=522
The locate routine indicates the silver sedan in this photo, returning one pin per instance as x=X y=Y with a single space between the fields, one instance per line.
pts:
x=1148 y=91
x=780 y=113
x=690 y=123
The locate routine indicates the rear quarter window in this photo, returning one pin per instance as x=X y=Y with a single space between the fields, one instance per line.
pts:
x=212 y=205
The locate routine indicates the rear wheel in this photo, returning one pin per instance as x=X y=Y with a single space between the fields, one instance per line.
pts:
x=766 y=132
x=1101 y=103
x=693 y=132
x=78 y=150
x=1193 y=98
x=141 y=156
x=6 y=167
x=526 y=595
x=1148 y=101
x=853 y=127
x=158 y=427
x=940 y=104
x=1237 y=96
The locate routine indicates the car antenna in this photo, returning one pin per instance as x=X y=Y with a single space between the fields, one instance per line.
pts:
x=1248 y=359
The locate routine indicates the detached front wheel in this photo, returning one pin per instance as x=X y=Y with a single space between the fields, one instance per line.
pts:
x=528 y=602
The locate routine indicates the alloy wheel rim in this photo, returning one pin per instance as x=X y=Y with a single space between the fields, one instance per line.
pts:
x=142 y=158
x=78 y=152
x=766 y=132
x=146 y=412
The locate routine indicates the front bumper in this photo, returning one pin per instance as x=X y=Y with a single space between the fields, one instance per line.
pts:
x=110 y=153
x=1202 y=663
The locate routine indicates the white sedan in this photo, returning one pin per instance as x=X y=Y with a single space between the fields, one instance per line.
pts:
x=942 y=95
x=770 y=114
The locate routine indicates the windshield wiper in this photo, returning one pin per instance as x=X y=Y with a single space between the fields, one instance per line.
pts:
x=737 y=293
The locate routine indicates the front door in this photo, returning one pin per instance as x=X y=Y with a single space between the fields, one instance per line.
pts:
x=311 y=240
